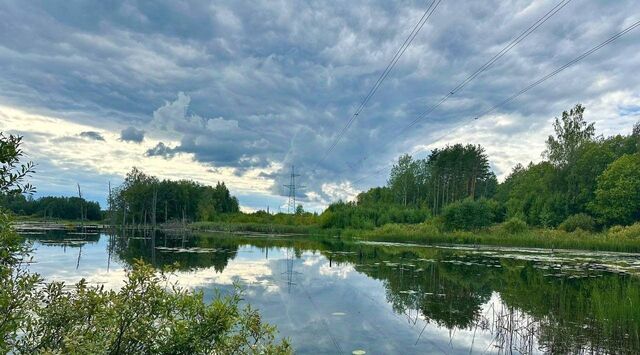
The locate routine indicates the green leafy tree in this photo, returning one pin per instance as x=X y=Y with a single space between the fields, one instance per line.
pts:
x=534 y=194
x=571 y=132
x=403 y=179
x=617 y=198
x=592 y=159
x=12 y=173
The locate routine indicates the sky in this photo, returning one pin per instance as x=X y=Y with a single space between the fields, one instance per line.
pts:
x=241 y=91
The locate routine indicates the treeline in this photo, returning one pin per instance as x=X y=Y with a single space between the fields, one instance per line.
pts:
x=132 y=202
x=51 y=207
x=418 y=188
x=584 y=177
x=585 y=181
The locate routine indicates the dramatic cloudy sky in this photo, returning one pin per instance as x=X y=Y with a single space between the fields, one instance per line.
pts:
x=238 y=91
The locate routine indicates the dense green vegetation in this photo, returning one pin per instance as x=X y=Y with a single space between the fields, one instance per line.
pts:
x=586 y=183
x=512 y=233
x=68 y=208
x=132 y=202
x=582 y=174
x=148 y=315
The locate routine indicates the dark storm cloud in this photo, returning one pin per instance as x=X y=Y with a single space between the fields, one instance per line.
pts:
x=131 y=134
x=161 y=150
x=246 y=85
x=92 y=135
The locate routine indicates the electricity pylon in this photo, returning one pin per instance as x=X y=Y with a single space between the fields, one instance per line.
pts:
x=291 y=204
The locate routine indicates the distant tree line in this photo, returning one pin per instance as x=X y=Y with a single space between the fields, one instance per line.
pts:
x=584 y=180
x=51 y=207
x=176 y=200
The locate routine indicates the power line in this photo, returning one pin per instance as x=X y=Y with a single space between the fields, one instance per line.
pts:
x=558 y=70
x=514 y=42
x=525 y=89
x=491 y=61
x=418 y=26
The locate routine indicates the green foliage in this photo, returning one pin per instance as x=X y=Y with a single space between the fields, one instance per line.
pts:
x=621 y=232
x=176 y=199
x=449 y=174
x=571 y=133
x=534 y=194
x=148 y=315
x=592 y=159
x=458 y=172
x=514 y=225
x=351 y=215
x=468 y=214
x=395 y=231
x=546 y=193
x=580 y=221
x=51 y=207
x=12 y=173
x=18 y=294
x=617 y=199
x=531 y=238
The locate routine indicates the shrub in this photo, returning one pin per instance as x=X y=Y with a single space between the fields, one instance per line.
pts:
x=149 y=315
x=513 y=226
x=578 y=221
x=615 y=230
x=632 y=231
x=468 y=214
x=351 y=215
x=395 y=231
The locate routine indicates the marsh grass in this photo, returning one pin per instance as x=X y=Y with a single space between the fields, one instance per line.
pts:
x=621 y=239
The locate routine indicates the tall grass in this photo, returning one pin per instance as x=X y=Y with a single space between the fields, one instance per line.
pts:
x=621 y=239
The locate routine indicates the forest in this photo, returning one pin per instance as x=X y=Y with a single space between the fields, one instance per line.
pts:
x=585 y=181
x=68 y=208
x=175 y=200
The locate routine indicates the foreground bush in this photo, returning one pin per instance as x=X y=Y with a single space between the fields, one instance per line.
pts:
x=146 y=316
x=578 y=221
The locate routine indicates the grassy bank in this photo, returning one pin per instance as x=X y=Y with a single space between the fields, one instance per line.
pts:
x=621 y=239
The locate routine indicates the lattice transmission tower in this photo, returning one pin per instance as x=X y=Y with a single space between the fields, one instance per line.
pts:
x=291 y=204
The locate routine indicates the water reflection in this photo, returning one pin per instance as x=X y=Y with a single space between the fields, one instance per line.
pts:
x=329 y=296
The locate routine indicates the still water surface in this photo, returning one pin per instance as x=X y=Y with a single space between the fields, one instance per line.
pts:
x=328 y=296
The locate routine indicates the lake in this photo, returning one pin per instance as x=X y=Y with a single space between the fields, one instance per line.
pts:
x=330 y=296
